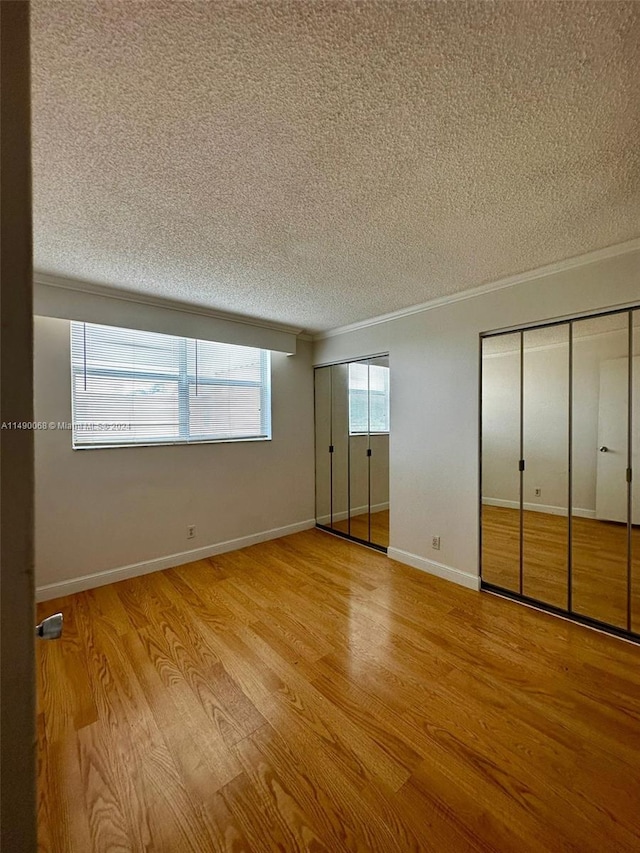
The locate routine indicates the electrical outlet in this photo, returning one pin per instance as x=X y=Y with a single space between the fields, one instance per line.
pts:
x=435 y=543
x=538 y=493
x=191 y=531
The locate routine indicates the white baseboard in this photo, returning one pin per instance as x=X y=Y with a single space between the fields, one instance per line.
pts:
x=431 y=567
x=550 y=510
x=67 y=587
x=357 y=510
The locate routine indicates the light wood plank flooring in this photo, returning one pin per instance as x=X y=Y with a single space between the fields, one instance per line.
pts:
x=360 y=527
x=310 y=694
x=599 y=577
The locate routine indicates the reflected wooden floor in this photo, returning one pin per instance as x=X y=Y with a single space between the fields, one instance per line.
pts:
x=599 y=562
x=310 y=694
x=360 y=527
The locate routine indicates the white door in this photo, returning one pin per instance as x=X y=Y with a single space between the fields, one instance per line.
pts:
x=611 y=482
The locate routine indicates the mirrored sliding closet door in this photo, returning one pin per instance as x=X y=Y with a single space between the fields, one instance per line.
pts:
x=634 y=581
x=545 y=451
x=599 y=553
x=352 y=449
x=501 y=452
x=560 y=511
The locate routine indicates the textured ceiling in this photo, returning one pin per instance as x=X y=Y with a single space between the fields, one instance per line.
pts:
x=319 y=163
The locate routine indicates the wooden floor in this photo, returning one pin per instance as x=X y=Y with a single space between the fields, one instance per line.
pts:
x=310 y=694
x=599 y=557
x=358 y=526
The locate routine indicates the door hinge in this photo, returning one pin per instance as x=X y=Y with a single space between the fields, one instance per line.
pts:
x=521 y=465
x=331 y=448
x=628 y=475
x=368 y=451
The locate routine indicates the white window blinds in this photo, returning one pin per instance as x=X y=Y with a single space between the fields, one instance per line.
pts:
x=132 y=387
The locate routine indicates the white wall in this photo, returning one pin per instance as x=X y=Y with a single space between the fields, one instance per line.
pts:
x=101 y=510
x=434 y=360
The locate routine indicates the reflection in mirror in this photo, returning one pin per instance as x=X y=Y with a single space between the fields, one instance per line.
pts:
x=379 y=429
x=634 y=602
x=599 y=463
x=358 y=449
x=545 y=483
x=501 y=365
x=340 y=438
x=352 y=418
x=323 y=443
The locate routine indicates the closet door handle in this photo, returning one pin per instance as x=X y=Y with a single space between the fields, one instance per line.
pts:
x=604 y=449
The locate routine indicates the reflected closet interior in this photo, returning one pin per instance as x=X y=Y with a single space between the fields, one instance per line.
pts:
x=352 y=449
x=560 y=436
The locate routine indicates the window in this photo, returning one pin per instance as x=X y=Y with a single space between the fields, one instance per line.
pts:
x=368 y=398
x=131 y=387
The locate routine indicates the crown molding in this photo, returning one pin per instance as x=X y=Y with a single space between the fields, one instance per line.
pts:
x=471 y=293
x=81 y=286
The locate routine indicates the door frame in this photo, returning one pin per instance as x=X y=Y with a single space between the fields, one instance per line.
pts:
x=17 y=668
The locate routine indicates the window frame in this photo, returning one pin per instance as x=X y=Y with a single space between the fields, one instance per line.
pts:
x=184 y=380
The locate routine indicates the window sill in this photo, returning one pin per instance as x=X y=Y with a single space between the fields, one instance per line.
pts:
x=170 y=443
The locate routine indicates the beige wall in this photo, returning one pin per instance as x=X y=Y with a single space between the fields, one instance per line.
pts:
x=100 y=510
x=434 y=359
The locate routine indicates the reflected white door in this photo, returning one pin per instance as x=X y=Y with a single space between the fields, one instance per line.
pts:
x=611 y=484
